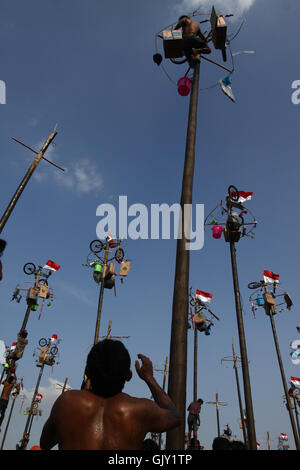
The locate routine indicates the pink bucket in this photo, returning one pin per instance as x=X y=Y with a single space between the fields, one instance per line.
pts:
x=184 y=86
x=217 y=231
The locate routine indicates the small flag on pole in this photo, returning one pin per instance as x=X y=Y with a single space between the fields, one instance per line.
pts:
x=283 y=436
x=13 y=346
x=51 y=266
x=270 y=277
x=243 y=196
x=53 y=338
x=39 y=396
x=295 y=381
x=203 y=296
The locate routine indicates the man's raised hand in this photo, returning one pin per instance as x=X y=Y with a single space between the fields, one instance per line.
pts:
x=146 y=370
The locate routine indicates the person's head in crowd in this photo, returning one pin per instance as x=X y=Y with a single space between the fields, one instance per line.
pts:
x=108 y=367
x=221 y=443
x=238 y=445
x=149 y=444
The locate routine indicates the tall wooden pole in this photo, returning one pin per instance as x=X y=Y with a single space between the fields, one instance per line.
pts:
x=218 y=417
x=25 y=180
x=96 y=337
x=163 y=387
x=239 y=393
x=8 y=421
x=270 y=310
x=268 y=440
x=195 y=358
x=243 y=351
x=29 y=420
x=65 y=385
x=178 y=344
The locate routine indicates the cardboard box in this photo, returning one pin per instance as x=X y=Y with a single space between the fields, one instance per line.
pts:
x=125 y=268
x=43 y=291
x=173 y=44
x=218 y=30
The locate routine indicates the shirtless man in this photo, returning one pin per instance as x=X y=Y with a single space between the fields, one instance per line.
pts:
x=8 y=385
x=2 y=248
x=194 y=41
x=101 y=416
x=194 y=409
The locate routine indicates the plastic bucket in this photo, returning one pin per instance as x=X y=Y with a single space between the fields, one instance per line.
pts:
x=260 y=301
x=217 y=231
x=97 y=268
x=184 y=85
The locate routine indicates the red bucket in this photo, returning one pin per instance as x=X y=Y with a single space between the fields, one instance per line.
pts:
x=217 y=231
x=184 y=86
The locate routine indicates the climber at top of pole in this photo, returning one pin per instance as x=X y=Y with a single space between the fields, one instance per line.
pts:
x=194 y=41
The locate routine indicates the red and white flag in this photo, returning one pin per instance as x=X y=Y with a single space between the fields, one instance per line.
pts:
x=51 y=266
x=13 y=346
x=53 y=338
x=295 y=381
x=203 y=296
x=283 y=436
x=270 y=277
x=243 y=196
x=258 y=445
x=39 y=396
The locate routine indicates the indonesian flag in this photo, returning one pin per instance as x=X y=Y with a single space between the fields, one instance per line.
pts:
x=258 y=445
x=13 y=346
x=271 y=277
x=295 y=381
x=51 y=266
x=39 y=396
x=283 y=436
x=243 y=196
x=110 y=240
x=203 y=296
x=53 y=338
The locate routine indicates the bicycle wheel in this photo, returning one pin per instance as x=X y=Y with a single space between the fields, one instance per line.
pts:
x=254 y=285
x=53 y=350
x=233 y=193
x=192 y=303
x=29 y=268
x=96 y=246
x=119 y=255
x=43 y=281
x=43 y=342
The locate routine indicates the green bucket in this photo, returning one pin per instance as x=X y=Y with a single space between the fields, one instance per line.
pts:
x=98 y=268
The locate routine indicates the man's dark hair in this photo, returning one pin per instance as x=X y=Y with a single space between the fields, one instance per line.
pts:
x=200 y=400
x=149 y=444
x=183 y=16
x=221 y=443
x=108 y=367
x=237 y=445
x=2 y=245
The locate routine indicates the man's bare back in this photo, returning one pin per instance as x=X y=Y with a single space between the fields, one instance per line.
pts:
x=83 y=420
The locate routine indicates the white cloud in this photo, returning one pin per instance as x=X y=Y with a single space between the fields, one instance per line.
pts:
x=76 y=292
x=222 y=6
x=82 y=176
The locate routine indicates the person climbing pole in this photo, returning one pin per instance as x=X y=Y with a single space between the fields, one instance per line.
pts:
x=194 y=409
x=8 y=385
x=194 y=41
x=2 y=248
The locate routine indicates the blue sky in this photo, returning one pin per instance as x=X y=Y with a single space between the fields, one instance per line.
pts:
x=121 y=131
